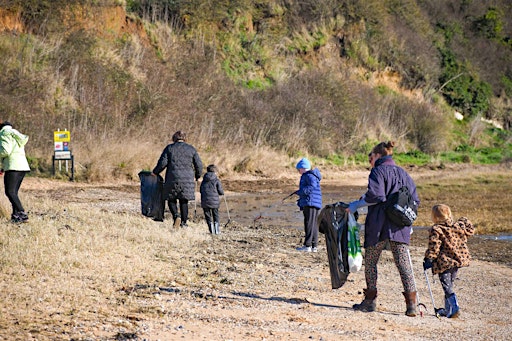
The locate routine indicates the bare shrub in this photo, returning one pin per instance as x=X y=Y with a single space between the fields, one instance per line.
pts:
x=312 y=108
x=476 y=128
x=431 y=128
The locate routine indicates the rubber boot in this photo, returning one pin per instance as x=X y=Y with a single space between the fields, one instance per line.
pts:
x=443 y=311
x=369 y=303
x=217 y=228
x=411 y=303
x=453 y=307
x=211 y=228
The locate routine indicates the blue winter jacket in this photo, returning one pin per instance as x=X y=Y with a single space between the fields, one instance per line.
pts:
x=309 y=191
x=385 y=178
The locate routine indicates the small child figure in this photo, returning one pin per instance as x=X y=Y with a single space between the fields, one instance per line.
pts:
x=210 y=190
x=310 y=203
x=447 y=252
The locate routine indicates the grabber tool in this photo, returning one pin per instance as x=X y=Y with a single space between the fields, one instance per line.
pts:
x=431 y=296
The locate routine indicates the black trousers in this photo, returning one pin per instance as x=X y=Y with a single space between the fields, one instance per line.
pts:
x=310 y=225
x=173 y=207
x=12 y=183
x=211 y=215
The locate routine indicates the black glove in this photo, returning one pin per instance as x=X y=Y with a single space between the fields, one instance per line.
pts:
x=427 y=263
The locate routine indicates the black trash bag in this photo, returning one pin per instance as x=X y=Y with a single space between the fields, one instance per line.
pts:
x=333 y=223
x=151 y=195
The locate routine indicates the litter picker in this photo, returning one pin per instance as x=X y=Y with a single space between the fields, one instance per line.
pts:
x=227 y=210
x=414 y=280
x=195 y=202
x=431 y=296
x=289 y=196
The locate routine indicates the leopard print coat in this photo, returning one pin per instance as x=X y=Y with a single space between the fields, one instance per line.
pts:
x=447 y=245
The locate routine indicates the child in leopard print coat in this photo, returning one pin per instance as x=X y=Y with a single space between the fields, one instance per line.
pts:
x=447 y=252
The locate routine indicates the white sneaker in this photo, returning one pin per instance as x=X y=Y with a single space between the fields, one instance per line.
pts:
x=304 y=248
x=314 y=249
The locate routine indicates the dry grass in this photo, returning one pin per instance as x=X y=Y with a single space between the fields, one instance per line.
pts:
x=70 y=261
x=485 y=196
x=122 y=161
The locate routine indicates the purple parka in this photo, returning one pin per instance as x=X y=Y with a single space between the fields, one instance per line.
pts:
x=385 y=178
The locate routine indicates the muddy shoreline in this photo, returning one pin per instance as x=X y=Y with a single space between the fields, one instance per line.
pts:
x=261 y=204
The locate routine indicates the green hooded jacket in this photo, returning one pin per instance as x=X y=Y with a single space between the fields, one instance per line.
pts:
x=12 y=149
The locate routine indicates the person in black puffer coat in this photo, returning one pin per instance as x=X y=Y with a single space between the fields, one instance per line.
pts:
x=183 y=166
x=211 y=189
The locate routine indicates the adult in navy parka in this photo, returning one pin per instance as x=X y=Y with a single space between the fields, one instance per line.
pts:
x=310 y=203
x=385 y=179
x=183 y=166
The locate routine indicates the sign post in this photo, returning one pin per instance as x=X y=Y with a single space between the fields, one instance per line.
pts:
x=61 y=151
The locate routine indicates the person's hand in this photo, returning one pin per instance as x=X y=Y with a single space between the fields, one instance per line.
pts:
x=427 y=264
x=153 y=174
x=352 y=207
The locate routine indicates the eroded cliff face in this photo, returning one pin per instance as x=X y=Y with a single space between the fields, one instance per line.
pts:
x=10 y=21
x=106 y=22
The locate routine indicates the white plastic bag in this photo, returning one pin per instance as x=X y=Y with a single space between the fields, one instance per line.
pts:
x=355 y=257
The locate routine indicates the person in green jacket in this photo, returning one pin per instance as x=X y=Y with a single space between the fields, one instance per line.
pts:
x=14 y=167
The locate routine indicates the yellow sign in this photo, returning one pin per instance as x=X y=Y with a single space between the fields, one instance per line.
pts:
x=61 y=136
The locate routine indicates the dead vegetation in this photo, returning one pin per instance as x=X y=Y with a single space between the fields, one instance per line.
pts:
x=240 y=78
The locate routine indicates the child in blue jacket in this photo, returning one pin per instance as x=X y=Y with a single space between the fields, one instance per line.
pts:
x=310 y=203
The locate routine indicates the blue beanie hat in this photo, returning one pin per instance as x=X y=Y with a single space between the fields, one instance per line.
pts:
x=303 y=163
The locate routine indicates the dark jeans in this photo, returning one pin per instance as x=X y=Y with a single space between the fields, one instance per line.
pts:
x=211 y=215
x=310 y=225
x=12 y=183
x=447 y=278
x=173 y=207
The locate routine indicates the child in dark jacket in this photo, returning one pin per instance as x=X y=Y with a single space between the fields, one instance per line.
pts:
x=447 y=252
x=310 y=203
x=211 y=189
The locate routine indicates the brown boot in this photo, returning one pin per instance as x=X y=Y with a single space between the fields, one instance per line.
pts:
x=369 y=303
x=410 y=301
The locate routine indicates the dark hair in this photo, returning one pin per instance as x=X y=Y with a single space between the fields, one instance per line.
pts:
x=179 y=135
x=384 y=148
x=5 y=124
x=211 y=168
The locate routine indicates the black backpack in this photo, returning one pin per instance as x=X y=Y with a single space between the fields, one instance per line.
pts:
x=401 y=208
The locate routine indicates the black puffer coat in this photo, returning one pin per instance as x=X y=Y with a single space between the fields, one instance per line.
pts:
x=211 y=188
x=183 y=167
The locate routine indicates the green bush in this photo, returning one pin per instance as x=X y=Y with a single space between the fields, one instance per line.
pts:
x=461 y=89
x=490 y=25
